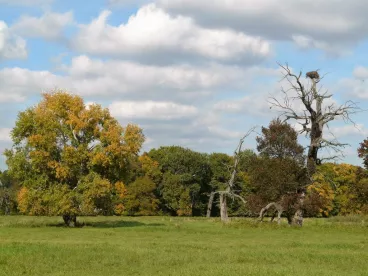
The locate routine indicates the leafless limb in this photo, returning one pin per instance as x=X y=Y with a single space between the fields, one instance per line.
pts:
x=314 y=117
x=229 y=191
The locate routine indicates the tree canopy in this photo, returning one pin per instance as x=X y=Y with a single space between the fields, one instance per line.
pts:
x=70 y=158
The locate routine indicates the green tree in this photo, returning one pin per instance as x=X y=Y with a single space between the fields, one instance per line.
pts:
x=70 y=158
x=279 y=169
x=221 y=165
x=271 y=178
x=363 y=152
x=8 y=188
x=141 y=199
x=186 y=175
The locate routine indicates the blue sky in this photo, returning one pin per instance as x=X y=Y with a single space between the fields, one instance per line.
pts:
x=191 y=73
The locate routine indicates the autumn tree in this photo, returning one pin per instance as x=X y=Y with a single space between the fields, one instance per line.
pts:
x=280 y=141
x=337 y=189
x=70 y=158
x=280 y=166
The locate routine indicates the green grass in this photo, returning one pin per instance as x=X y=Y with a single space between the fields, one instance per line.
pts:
x=182 y=246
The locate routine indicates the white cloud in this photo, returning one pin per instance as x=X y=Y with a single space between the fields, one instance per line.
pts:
x=134 y=81
x=18 y=83
x=356 y=87
x=306 y=42
x=113 y=77
x=361 y=73
x=347 y=130
x=49 y=26
x=11 y=46
x=155 y=36
x=5 y=134
x=163 y=100
x=151 y=110
x=313 y=24
x=224 y=133
x=256 y=105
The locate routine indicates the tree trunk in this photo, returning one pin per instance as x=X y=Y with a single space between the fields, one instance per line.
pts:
x=70 y=220
x=7 y=204
x=223 y=208
x=210 y=203
x=298 y=218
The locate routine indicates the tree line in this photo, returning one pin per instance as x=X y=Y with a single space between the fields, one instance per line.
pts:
x=69 y=159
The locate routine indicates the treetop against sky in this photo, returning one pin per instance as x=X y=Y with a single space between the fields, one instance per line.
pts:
x=190 y=73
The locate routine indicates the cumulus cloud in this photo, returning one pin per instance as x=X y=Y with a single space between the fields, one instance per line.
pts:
x=49 y=26
x=348 y=130
x=173 y=104
x=11 y=46
x=355 y=86
x=151 y=110
x=136 y=81
x=194 y=134
x=16 y=84
x=361 y=73
x=311 y=24
x=256 y=105
x=111 y=79
x=306 y=42
x=5 y=134
x=155 y=36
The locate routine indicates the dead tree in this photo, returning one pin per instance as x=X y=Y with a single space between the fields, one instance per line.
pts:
x=229 y=191
x=314 y=116
x=291 y=204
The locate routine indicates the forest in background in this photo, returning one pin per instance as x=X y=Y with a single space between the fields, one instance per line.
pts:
x=70 y=159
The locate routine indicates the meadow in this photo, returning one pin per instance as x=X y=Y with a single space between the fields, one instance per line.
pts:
x=182 y=246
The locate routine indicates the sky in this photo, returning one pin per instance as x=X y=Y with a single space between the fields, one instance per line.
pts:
x=192 y=73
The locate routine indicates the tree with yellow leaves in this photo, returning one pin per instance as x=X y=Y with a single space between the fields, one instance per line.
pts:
x=71 y=158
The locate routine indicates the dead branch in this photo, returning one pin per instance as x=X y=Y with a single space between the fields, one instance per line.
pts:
x=314 y=117
x=229 y=192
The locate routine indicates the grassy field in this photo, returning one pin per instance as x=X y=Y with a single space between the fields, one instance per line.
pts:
x=182 y=246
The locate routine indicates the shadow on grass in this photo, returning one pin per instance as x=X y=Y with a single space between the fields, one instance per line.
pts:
x=116 y=224
x=107 y=224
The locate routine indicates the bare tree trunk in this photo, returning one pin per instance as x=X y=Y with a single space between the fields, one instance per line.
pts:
x=7 y=204
x=223 y=208
x=278 y=209
x=298 y=218
x=70 y=220
x=209 y=206
x=313 y=118
x=315 y=144
x=230 y=184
